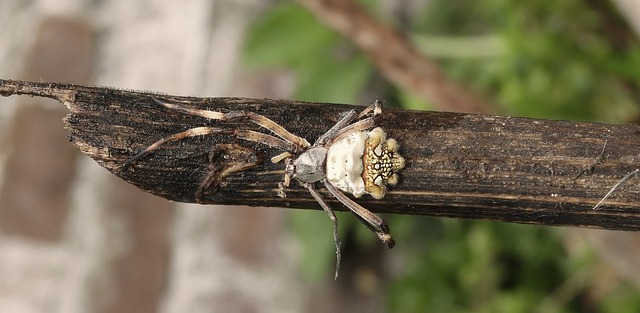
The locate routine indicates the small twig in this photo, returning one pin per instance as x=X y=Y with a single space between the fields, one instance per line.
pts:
x=597 y=206
x=600 y=158
x=591 y=169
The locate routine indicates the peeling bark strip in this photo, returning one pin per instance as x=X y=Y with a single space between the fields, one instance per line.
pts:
x=458 y=165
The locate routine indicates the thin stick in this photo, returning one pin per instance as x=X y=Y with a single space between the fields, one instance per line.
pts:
x=597 y=206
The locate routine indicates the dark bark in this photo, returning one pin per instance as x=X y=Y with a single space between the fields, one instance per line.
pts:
x=458 y=165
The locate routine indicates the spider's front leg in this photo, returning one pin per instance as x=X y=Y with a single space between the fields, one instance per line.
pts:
x=248 y=135
x=334 y=219
x=342 y=126
x=287 y=141
x=263 y=121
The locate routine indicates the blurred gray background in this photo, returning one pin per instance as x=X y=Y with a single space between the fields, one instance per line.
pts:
x=75 y=239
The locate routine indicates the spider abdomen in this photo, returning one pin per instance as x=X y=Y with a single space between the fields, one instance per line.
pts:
x=344 y=163
x=364 y=162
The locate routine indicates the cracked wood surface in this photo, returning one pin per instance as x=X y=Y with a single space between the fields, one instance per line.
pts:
x=458 y=165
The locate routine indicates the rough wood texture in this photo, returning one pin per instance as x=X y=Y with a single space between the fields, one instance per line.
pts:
x=458 y=165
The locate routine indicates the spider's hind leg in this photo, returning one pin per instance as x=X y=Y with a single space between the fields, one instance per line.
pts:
x=198 y=131
x=248 y=135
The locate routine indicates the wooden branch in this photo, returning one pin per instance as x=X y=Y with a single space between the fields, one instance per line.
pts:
x=395 y=56
x=458 y=165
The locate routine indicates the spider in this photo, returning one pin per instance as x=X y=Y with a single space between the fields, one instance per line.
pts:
x=350 y=157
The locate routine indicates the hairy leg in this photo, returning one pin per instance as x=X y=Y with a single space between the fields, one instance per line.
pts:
x=344 y=126
x=203 y=131
x=374 y=222
x=257 y=119
x=334 y=219
x=348 y=118
x=376 y=108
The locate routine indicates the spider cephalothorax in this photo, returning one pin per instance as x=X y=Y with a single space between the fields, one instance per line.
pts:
x=350 y=157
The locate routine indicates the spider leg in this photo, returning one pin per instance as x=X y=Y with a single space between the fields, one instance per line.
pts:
x=202 y=131
x=360 y=125
x=334 y=219
x=342 y=125
x=289 y=170
x=376 y=107
x=281 y=157
x=350 y=116
x=257 y=119
x=374 y=222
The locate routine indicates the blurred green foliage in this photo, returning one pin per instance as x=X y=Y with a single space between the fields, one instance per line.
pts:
x=564 y=60
x=327 y=68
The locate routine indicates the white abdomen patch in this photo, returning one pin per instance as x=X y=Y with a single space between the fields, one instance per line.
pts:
x=344 y=163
